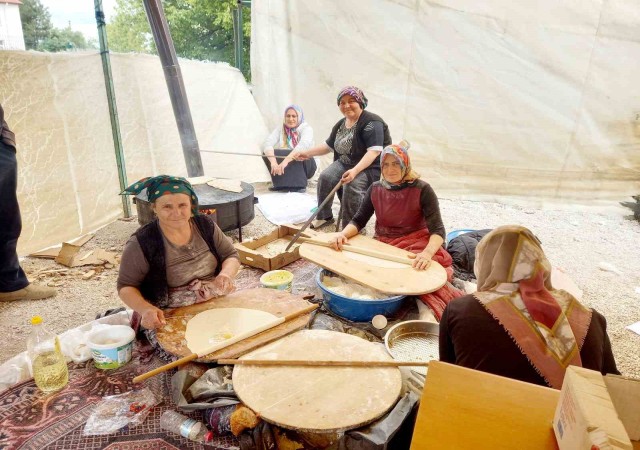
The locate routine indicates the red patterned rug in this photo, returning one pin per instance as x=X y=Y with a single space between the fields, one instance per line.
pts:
x=30 y=419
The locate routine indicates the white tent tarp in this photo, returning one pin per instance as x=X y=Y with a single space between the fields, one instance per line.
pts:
x=499 y=99
x=67 y=173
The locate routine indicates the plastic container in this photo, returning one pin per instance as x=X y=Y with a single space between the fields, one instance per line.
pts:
x=111 y=347
x=186 y=427
x=281 y=280
x=355 y=309
x=50 y=370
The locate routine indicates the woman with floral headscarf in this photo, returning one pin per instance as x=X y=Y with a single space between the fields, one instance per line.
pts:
x=178 y=259
x=517 y=325
x=407 y=217
x=356 y=142
x=294 y=135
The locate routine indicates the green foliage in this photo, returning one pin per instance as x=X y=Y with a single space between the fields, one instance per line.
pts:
x=36 y=23
x=201 y=29
x=40 y=34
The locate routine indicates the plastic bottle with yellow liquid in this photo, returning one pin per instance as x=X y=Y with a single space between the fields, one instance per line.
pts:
x=50 y=370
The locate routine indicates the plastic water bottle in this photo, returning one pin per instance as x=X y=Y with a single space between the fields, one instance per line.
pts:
x=189 y=428
x=50 y=370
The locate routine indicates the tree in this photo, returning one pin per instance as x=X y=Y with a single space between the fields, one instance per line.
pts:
x=36 y=23
x=201 y=29
x=40 y=34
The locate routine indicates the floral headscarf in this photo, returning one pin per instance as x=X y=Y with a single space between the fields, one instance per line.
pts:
x=401 y=153
x=514 y=285
x=291 y=136
x=355 y=93
x=164 y=185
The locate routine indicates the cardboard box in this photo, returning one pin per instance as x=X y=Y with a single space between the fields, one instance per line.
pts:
x=586 y=417
x=250 y=256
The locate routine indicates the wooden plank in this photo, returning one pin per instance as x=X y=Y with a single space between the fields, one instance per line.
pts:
x=279 y=303
x=319 y=399
x=398 y=281
x=467 y=409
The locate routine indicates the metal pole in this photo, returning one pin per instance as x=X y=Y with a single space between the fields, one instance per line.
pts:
x=113 y=109
x=175 y=84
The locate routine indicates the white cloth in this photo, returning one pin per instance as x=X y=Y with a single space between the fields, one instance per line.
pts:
x=299 y=207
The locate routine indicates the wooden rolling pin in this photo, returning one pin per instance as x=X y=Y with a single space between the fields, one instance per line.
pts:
x=299 y=362
x=363 y=251
x=200 y=354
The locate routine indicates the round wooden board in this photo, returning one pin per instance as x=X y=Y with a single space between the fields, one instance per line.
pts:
x=319 y=399
x=401 y=281
x=280 y=303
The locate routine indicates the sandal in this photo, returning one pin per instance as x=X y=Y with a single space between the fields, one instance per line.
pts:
x=319 y=223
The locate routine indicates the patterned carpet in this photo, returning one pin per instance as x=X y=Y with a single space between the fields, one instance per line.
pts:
x=32 y=420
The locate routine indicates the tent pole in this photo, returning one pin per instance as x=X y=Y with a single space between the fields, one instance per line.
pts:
x=113 y=109
x=175 y=84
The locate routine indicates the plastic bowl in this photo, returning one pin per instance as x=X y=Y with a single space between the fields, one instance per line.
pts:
x=111 y=347
x=281 y=280
x=355 y=309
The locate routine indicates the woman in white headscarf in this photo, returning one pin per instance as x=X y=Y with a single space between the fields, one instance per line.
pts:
x=294 y=134
x=517 y=325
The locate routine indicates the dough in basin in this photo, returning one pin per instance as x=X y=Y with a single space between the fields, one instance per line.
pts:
x=215 y=326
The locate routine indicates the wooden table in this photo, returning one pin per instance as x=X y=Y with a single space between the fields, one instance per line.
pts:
x=467 y=409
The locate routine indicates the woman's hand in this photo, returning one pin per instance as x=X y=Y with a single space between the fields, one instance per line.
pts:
x=337 y=240
x=274 y=167
x=283 y=165
x=224 y=284
x=152 y=318
x=422 y=260
x=349 y=175
x=299 y=155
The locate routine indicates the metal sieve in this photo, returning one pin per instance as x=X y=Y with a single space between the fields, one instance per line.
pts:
x=413 y=340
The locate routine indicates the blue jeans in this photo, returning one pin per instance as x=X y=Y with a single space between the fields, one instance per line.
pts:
x=12 y=277
x=352 y=193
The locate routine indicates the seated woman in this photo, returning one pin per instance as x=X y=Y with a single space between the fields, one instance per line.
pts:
x=517 y=325
x=407 y=217
x=294 y=134
x=356 y=142
x=179 y=259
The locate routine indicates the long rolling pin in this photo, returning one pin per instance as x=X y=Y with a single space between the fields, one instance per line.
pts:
x=216 y=347
x=299 y=362
x=243 y=154
x=363 y=251
x=313 y=216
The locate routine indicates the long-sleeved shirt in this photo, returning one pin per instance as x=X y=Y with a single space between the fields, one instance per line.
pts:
x=401 y=211
x=6 y=135
x=274 y=140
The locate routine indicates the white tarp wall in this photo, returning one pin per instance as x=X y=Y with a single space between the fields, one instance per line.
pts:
x=67 y=173
x=500 y=99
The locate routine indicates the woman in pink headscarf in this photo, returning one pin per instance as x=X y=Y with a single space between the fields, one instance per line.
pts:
x=407 y=217
x=517 y=325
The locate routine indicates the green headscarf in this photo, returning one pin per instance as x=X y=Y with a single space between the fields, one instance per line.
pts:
x=162 y=185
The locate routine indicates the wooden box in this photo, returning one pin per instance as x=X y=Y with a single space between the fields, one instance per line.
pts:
x=253 y=253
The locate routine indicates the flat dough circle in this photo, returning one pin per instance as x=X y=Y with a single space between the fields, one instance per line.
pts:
x=319 y=399
x=216 y=325
x=373 y=261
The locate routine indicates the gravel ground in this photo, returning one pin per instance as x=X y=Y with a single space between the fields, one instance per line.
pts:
x=579 y=242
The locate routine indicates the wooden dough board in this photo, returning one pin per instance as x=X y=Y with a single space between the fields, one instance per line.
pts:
x=319 y=399
x=401 y=281
x=279 y=303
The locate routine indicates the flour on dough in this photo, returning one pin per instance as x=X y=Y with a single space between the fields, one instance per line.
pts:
x=225 y=185
x=373 y=261
x=214 y=326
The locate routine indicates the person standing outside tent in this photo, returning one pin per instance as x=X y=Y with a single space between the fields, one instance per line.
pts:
x=356 y=142
x=13 y=281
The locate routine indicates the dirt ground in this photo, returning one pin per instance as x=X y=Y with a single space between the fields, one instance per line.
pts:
x=600 y=251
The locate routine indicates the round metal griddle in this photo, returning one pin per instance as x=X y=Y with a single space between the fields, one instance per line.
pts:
x=413 y=340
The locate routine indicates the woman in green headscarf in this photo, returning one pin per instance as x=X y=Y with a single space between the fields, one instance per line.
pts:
x=179 y=259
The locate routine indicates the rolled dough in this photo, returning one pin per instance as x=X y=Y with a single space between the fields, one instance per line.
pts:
x=215 y=326
x=373 y=261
